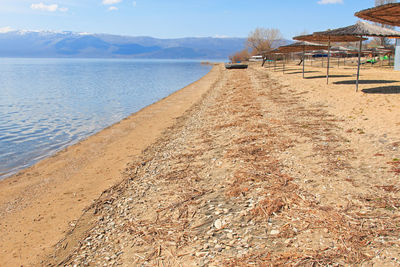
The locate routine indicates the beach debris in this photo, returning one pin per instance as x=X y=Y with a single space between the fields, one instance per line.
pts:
x=240 y=181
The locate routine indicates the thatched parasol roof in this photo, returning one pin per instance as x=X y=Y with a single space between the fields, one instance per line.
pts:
x=326 y=38
x=388 y=14
x=301 y=46
x=340 y=48
x=358 y=30
x=275 y=51
x=361 y=28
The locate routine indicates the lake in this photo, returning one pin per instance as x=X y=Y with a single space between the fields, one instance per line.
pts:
x=49 y=104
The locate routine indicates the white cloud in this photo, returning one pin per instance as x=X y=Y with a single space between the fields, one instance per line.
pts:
x=49 y=8
x=111 y=2
x=6 y=29
x=112 y=8
x=326 y=2
x=134 y=3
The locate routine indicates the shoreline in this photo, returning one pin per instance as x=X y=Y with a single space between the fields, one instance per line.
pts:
x=40 y=203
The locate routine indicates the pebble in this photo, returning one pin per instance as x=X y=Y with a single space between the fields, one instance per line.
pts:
x=274 y=232
x=218 y=224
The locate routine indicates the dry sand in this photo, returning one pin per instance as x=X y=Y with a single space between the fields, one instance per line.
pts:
x=40 y=204
x=265 y=169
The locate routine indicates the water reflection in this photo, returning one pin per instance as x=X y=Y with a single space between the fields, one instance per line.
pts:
x=48 y=104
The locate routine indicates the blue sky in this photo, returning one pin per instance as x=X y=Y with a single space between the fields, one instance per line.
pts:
x=179 y=18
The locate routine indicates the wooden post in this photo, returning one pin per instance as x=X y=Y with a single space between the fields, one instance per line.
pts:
x=283 y=62
x=329 y=56
x=304 y=59
x=359 y=63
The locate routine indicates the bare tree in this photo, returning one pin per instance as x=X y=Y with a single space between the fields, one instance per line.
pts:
x=382 y=40
x=262 y=39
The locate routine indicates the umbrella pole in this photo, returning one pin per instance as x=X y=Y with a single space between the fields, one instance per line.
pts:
x=359 y=63
x=329 y=56
x=304 y=59
x=283 y=62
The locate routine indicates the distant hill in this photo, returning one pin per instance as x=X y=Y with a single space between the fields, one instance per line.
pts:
x=81 y=45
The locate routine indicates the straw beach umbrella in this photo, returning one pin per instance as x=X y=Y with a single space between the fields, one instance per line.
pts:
x=274 y=52
x=328 y=39
x=388 y=14
x=301 y=46
x=359 y=30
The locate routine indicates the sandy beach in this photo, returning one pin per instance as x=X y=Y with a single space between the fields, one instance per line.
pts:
x=39 y=205
x=243 y=167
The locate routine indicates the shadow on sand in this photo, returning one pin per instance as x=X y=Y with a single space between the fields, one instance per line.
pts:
x=300 y=72
x=365 y=82
x=382 y=90
x=330 y=76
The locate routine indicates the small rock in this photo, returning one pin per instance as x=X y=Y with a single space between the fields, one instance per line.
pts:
x=229 y=235
x=274 y=232
x=218 y=224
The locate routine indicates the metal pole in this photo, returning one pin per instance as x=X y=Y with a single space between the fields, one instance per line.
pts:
x=359 y=63
x=283 y=62
x=329 y=56
x=304 y=59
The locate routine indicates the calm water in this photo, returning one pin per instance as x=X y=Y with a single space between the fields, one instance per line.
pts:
x=48 y=104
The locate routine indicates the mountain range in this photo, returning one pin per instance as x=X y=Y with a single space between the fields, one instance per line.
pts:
x=14 y=43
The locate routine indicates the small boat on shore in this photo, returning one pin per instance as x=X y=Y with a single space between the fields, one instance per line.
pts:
x=230 y=66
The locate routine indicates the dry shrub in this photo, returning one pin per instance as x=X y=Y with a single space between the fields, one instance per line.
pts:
x=240 y=56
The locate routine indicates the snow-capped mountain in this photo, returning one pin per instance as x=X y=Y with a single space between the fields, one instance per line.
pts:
x=22 y=43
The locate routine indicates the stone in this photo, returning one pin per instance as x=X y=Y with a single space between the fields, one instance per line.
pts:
x=274 y=232
x=218 y=224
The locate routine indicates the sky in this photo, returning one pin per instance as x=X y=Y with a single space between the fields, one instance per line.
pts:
x=179 y=18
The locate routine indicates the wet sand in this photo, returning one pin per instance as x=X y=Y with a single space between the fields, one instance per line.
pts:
x=40 y=204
